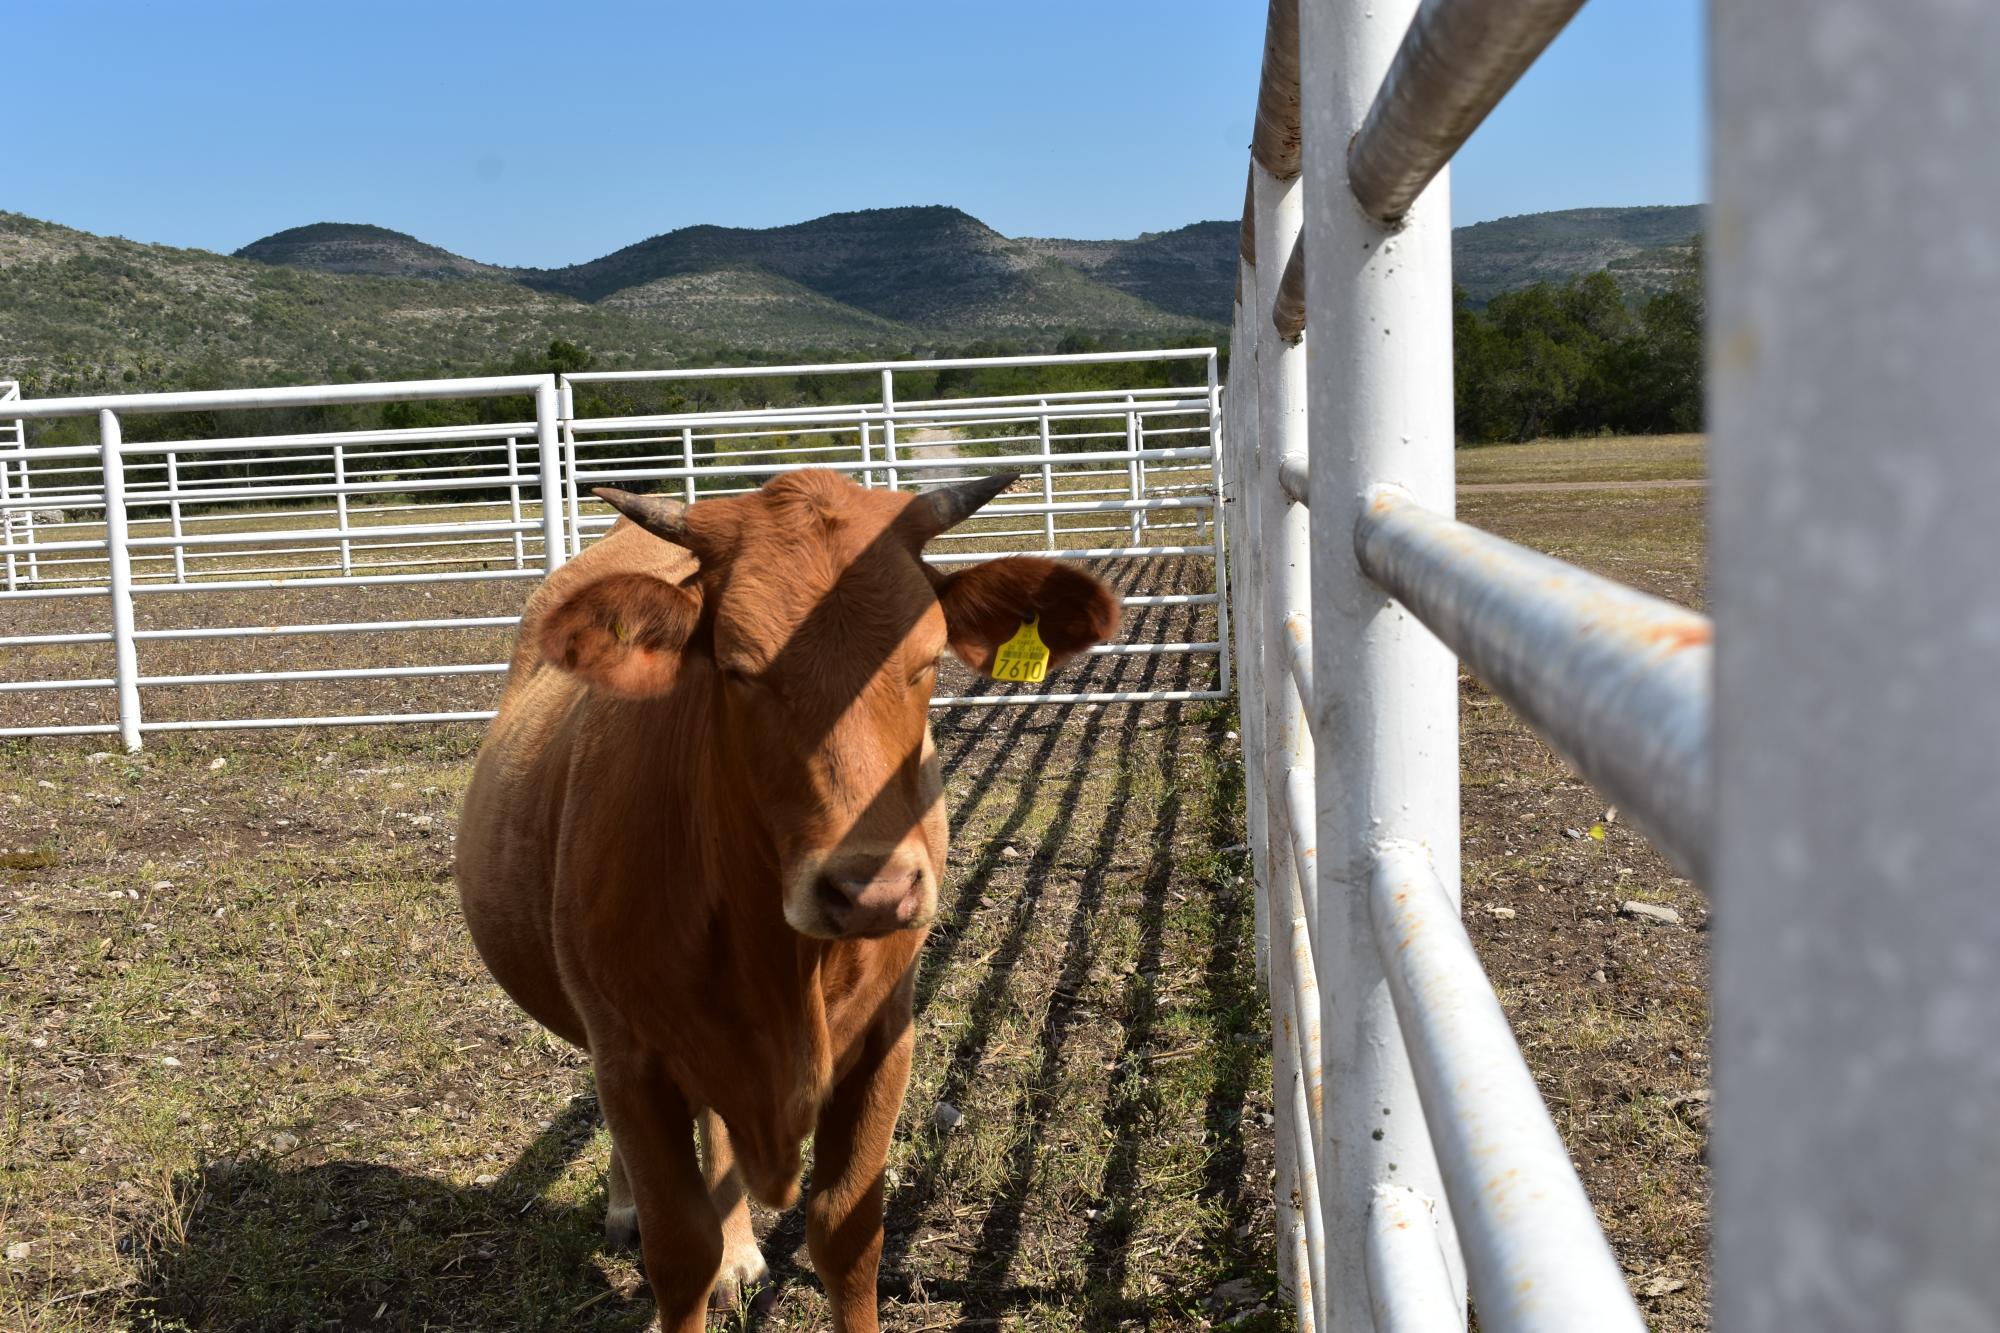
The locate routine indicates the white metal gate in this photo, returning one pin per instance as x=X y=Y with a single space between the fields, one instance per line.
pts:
x=1828 y=774
x=117 y=551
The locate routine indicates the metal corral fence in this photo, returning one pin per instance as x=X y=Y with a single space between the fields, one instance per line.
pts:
x=91 y=531
x=1415 y=1157
x=1827 y=771
x=1829 y=776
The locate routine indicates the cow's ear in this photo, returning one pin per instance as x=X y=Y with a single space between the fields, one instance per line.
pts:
x=624 y=633
x=986 y=604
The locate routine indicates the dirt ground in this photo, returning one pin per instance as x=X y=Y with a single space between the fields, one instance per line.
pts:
x=256 y=1078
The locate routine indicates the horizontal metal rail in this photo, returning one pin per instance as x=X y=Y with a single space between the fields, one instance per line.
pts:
x=874 y=367
x=1535 y=1255
x=319 y=395
x=1618 y=682
x=387 y=508
x=1457 y=60
x=808 y=420
x=1409 y=1285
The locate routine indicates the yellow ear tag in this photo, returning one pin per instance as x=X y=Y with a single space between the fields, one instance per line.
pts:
x=618 y=630
x=1024 y=657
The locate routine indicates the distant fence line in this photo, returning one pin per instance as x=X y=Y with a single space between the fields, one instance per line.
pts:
x=1116 y=475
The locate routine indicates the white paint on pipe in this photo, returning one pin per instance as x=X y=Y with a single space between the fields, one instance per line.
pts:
x=870 y=367
x=1409 y=1287
x=1536 y=1258
x=118 y=558
x=317 y=395
x=1385 y=722
x=550 y=466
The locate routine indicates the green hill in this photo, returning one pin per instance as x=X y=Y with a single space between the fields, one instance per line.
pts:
x=1638 y=245
x=1190 y=271
x=936 y=269
x=356 y=247
x=79 y=311
x=336 y=301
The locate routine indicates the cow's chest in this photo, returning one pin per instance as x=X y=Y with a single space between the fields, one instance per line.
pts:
x=761 y=1026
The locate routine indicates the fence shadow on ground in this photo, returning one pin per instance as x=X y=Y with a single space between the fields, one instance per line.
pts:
x=350 y=1245
x=1073 y=831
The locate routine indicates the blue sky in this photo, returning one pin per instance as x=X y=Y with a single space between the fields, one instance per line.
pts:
x=550 y=134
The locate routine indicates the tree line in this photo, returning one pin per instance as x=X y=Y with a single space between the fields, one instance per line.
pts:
x=1580 y=359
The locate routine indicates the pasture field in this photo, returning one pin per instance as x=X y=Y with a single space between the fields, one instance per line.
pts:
x=257 y=1079
x=1649 y=458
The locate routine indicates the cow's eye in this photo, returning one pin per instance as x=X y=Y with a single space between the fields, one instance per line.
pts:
x=922 y=676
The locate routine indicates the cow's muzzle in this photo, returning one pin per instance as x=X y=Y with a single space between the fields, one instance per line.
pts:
x=865 y=896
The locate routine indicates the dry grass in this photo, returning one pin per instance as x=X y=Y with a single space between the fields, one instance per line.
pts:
x=1611 y=1012
x=256 y=1078
x=1607 y=458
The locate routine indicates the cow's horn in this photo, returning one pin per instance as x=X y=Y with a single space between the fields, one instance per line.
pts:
x=663 y=517
x=949 y=506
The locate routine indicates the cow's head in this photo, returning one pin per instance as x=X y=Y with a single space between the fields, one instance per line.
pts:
x=814 y=626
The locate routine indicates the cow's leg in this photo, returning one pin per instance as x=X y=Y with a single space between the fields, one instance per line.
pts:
x=621 y=1215
x=844 y=1212
x=652 y=1126
x=742 y=1262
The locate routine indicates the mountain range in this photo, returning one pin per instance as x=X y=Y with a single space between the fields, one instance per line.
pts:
x=338 y=300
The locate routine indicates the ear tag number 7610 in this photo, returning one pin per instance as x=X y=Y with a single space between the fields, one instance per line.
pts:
x=1024 y=657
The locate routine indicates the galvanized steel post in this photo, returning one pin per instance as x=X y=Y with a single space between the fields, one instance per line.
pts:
x=1049 y=485
x=174 y=516
x=1237 y=443
x=1385 y=722
x=1285 y=534
x=889 y=426
x=550 y=474
x=1855 y=271
x=687 y=459
x=27 y=492
x=566 y=409
x=1218 y=527
x=7 y=521
x=514 y=502
x=1132 y=465
x=339 y=509
x=118 y=561
x=1267 y=852
x=1283 y=541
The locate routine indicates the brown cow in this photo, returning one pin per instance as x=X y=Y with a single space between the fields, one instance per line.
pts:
x=703 y=842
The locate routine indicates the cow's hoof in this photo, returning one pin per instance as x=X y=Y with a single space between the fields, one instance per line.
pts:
x=621 y=1228
x=744 y=1280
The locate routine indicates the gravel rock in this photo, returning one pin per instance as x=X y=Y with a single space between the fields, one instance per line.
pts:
x=947 y=1117
x=1237 y=1291
x=1651 y=912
